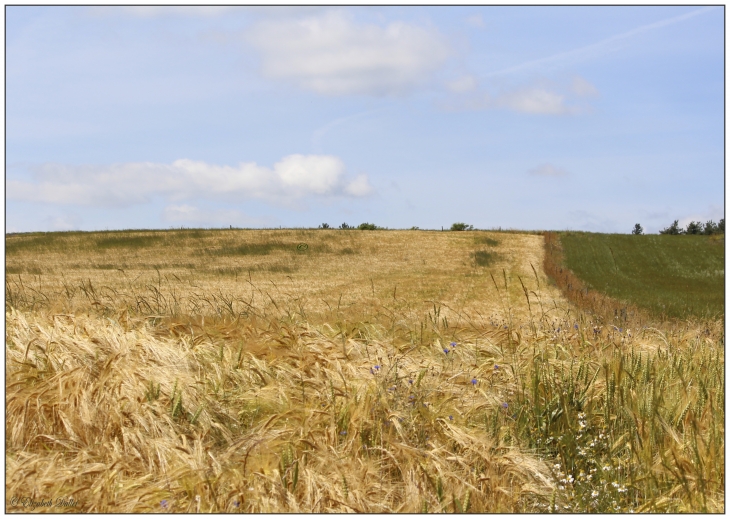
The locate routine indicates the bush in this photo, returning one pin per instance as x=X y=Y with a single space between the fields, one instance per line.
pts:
x=367 y=227
x=721 y=226
x=672 y=229
x=459 y=226
x=637 y=229
x=484 y=258
x=345 y=226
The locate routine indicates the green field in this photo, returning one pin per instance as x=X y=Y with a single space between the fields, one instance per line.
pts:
x=673 y=276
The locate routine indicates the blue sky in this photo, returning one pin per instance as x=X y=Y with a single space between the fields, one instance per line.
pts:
x=585 y=118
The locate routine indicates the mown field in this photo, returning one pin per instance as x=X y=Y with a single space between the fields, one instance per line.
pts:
x=343 y=371
x=675 y=276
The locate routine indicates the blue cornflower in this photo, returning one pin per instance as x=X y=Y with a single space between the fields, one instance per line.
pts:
x=446 y=351
x=453 y=345
x=575 y=326
x=496 y=367
x=377 y=366
x=410 y=381
x=505 y=406
x=411 y=397
x=236 y=504
x=451 y=417
x=343 y=433
x=163 y=503
x=473 y=382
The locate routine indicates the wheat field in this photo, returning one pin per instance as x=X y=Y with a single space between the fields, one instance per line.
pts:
x=342 y=371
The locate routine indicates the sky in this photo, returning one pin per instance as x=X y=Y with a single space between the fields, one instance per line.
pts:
x=586 y=118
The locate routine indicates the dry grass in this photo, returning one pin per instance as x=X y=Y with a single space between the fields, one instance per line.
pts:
x=399 y=376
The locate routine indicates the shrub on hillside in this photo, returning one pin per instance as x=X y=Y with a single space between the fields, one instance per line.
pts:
x=345 y=226
x=459 y=226
x=324 y=226
x=637 y=229
x=367 y=227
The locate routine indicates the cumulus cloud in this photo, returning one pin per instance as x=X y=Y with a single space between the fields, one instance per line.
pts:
x=547 y=170
x=583 y=88
x=333 y=55
x=292 y=178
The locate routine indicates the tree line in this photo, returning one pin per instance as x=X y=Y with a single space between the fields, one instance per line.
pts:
x=707 y=228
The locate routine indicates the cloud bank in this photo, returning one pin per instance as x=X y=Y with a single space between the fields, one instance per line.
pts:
x=330 y=54
x=292 y=178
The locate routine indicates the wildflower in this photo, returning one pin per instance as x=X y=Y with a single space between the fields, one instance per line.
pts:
x=505 y=405
x=473 y=382
x=343 y=433
x=411 y=397
x=163 y=503
x=451 y=417
x=496 y=367
x=606 y=468
x=410 y=381
x=377 y=366
x=453 y=345
x=575 y=326
x=446 y=351
x=236 y=504
x=594 y=493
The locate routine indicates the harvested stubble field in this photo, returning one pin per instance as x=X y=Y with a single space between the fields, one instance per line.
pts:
x=370 y=371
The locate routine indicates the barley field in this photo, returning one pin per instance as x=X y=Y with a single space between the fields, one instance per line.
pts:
x=344 y=371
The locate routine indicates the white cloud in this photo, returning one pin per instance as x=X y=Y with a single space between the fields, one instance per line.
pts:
x=583 y=88
x=535 y=100
x=293 y=177
x=331 y=54
x=539 y=98
x=463 y=84
x=187 y=214
x=157 y=11
x=67 y=222
x=547 y=170
x=359 y=187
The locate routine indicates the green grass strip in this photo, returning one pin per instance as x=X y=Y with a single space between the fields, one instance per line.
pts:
x=674 y=276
